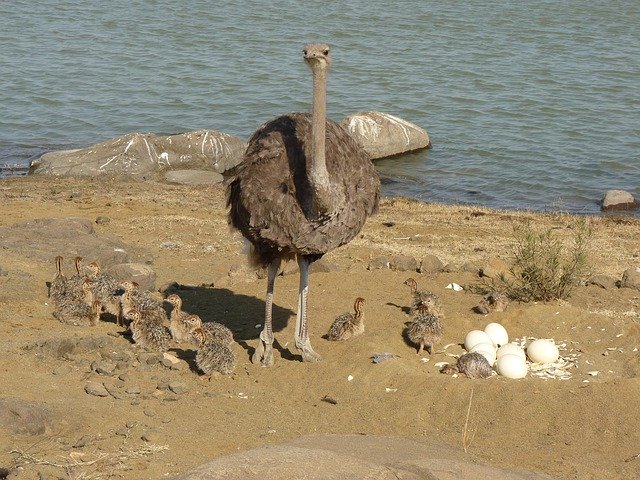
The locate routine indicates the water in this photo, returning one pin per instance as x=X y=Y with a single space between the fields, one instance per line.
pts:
x=531 y=105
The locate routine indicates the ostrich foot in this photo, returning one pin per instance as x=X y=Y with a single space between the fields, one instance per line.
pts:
x=308 y=354
x=263 y=354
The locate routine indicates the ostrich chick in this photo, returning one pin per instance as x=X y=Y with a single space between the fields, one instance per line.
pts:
x=421 y=297
x=104 y=290
x=472 y=365
x=147 y=333
x=58 y=287
x=149 y=307
x=212 y=356
x=424 y=329
x=178 y=319
x=215 y=332
x=493 y=302
x=78 y=313
x=348 y=325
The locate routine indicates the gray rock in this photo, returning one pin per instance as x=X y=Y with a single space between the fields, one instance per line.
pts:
x=103 y=367
x=403 y=263
x=43 y=239
x=143 y=155
x=340 y=457
x=178 y=388
x=133 y=390
x=431 y=264
x=102 y=220
x=618 y=200
x=96 y=389
x=602 y=281
x=193 y=177
x=140 y=273
x=23 y=418
x=383 y=135
x=631 y=278
x=381 y=262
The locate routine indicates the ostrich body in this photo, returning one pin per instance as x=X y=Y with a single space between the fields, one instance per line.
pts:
x=214 y=331
x=492 y=302
x=148 y=306
x=424 y=329
x=348 y=325
x=303 y=188
x=147 y=333
x=423 y=298
x=472 y=365
x=213 y=356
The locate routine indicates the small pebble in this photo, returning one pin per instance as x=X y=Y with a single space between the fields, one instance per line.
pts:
x=178 y=388
x=96 y=389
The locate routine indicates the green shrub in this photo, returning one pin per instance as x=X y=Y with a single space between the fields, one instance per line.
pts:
x=544 y=268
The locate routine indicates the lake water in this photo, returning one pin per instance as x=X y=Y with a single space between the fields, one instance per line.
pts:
x=532 y=105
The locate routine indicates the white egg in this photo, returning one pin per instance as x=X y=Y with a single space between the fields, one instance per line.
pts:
x=474 y=337
x=511 y=349
x=487 y=350
x=497 y=333
x=511 y=366
x=542 y=351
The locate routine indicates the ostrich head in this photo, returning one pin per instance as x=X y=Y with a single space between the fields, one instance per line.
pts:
x=317 y=55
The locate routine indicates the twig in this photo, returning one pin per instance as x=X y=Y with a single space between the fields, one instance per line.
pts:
x=467 y=434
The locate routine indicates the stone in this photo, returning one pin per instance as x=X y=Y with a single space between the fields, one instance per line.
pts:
x=96 y=389
x=193 y=177
x=140 y=273
x=495 y=268
x=618 y=200
x=431 y=264
x=380 y=263
x=23 y=418
x=102 y=220
x=602 y=281
x=383 y=135
x=68 y=237
x=103 y=367
x=403 y=263
x=631 y=278
x=150 y=436
x=334 y=457
x=178 y=388
x=143 y=155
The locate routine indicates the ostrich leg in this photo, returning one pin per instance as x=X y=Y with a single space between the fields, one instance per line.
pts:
x=302 y=332
x=264 y=350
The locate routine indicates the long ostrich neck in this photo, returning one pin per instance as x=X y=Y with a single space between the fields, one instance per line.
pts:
x=324 y=199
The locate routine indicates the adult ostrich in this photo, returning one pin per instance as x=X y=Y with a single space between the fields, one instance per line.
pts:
x=304 y=187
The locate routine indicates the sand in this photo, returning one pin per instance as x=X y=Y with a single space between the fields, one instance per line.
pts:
x=158 y=422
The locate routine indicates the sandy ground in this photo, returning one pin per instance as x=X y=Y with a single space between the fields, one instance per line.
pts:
x=583 y=427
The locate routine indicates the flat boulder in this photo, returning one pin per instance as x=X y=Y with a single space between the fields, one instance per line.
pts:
x=193 y=177
x=23 y=418
x=383 y=135
x=44 y=238
x=144 y=154
x=341 y=457
x=618 y=200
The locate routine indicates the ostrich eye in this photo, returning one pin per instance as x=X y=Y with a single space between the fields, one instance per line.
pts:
x=325 y=52
x=304 y=52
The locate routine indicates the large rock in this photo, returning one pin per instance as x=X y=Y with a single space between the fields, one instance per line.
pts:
x=44 y=238
x=23 y=418
x=631 y=278
x=145 y=154
x=383 y=135
x=353 y=457
x=618 y=200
